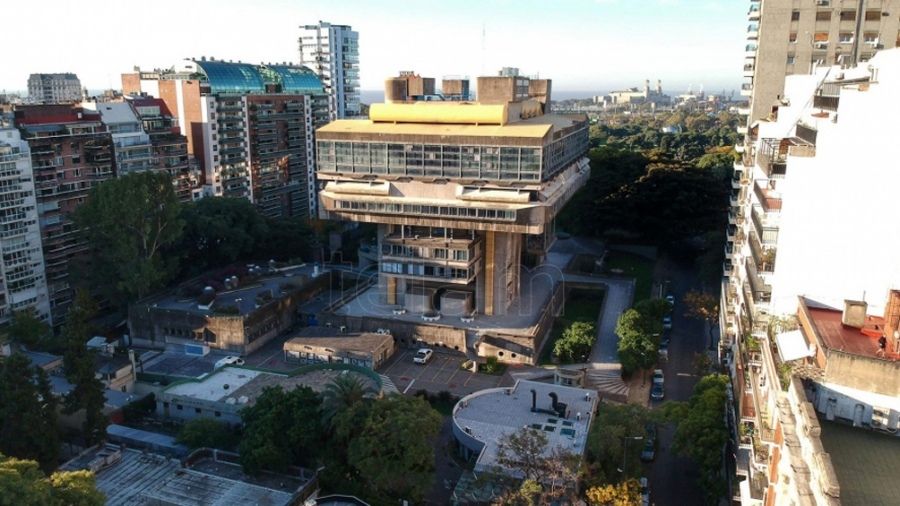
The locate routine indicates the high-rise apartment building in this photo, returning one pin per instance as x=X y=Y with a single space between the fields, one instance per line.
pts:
x=170 y=149
x=809 y=227
x=131 y=144
x=54 y=88
x=71 y=151
x=332 y=52
x=464 y=194
x=22 y=284
x=250 y=127
x=786 y=37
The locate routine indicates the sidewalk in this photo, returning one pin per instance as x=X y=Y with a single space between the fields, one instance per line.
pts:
x=639 y=388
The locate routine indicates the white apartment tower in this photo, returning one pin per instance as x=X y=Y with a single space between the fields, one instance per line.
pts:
x=787 y=37
x=332 y=52
x=23 y=284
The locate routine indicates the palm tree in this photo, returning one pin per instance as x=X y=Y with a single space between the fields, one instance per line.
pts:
x=346 y=390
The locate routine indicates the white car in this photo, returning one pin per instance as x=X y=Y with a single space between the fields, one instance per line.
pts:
x=229 y=361
x=423 y=356
x=659 y=377
x=667 y=322
x=671 y=299
x=645 y=492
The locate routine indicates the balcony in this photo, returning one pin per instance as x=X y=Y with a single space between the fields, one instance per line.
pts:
x=768 y=199
x=753 y=14
x=750 y=51
x=807 y=133
x=746 y=91
x=742 y=129
x=740 y=148
x=825 y=102
x=743 y=111
x=752 y=32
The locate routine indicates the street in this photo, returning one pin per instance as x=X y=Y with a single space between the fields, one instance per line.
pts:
x=673 y=481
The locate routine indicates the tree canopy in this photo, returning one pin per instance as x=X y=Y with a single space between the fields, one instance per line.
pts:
x=700 y=433
x=23 y=484
x=703 y=306
x=605 y=443
x=576 y=341
x=204 y=433
x=32 y=332
x=220 y=231
x=281 y=429
x=395 y=448
x=27 y=412
x=78 y=364
x=638 y=347
x=130 y=224
x=625 y=493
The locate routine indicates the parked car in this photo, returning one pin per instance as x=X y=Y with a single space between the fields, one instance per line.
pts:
x=658 y=392
x=659 y=377
x=649 y=451
x=667 y=322
x=229 y=361
x=671 y=299
x=645 y=492
x=664 y=351
x=423 y=356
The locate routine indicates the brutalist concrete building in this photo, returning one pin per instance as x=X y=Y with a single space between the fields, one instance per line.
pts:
x=464 y=193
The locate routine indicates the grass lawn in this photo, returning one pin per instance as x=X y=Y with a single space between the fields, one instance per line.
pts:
x=631 y=266
x=581 y=305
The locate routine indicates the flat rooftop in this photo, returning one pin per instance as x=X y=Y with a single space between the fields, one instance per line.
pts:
x=322 y=337
x=237 y=382
x=837 y=336
x=865 y=463
x=490 y=414
x=126 y=482
x=139 y=477
x=244 y=296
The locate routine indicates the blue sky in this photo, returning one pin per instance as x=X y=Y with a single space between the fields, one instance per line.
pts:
x=583 y=45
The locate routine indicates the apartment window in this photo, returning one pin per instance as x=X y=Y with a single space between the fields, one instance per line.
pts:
x=848 y=15
x=820 y=37
x=790 y=59
x=218 y=414
x=846 y=37
x=873 y=15
x=795 y=16
x=870 y=38
x=178 y=407
x=792 y=38
x=76 y=159
x=197 y=410
x=823 y=16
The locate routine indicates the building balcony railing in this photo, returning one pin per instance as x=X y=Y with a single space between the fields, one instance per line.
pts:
x=768 y=199
x=807 y=133
x=825 y=102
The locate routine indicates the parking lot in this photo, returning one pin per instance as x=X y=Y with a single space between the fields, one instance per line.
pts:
x=443 y=372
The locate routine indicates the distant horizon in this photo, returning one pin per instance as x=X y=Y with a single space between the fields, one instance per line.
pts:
x=377 y=96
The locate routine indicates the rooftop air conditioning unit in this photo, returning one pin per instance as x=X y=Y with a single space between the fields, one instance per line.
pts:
x=821 y=2
x=821 y=45
x=343 y=328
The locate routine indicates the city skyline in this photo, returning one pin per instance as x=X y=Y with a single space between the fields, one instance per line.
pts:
x=584 y=45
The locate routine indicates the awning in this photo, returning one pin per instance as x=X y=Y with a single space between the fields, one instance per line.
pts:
x=792 y=346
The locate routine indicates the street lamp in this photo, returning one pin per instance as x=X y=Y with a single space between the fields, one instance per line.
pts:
x=625 y=452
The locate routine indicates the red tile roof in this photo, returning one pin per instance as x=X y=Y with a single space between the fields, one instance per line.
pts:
x=837 y=336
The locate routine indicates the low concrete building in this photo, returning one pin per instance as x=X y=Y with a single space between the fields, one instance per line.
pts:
x=206 y=477
x=222 y=394
x=316 y=345
x=240 y=319
x=564 y=414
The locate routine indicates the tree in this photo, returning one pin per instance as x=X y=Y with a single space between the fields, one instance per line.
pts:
x=130 y=224
x=203 y=433
x=637 y=346
x=218 y=232
x=653 y=311
x=282 y=428
x=523 y=452
x=23 y=484
x=394 y=451
x=700 y=433
x=79 y=366
x=626 y=493
x=576 y=341
x=605 y=442
x=27 y=413
x=343 y=392
x=32 y=332
x=703 y=306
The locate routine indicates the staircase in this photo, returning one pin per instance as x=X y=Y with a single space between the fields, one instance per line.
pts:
x=388 y=386
x=607 y=380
